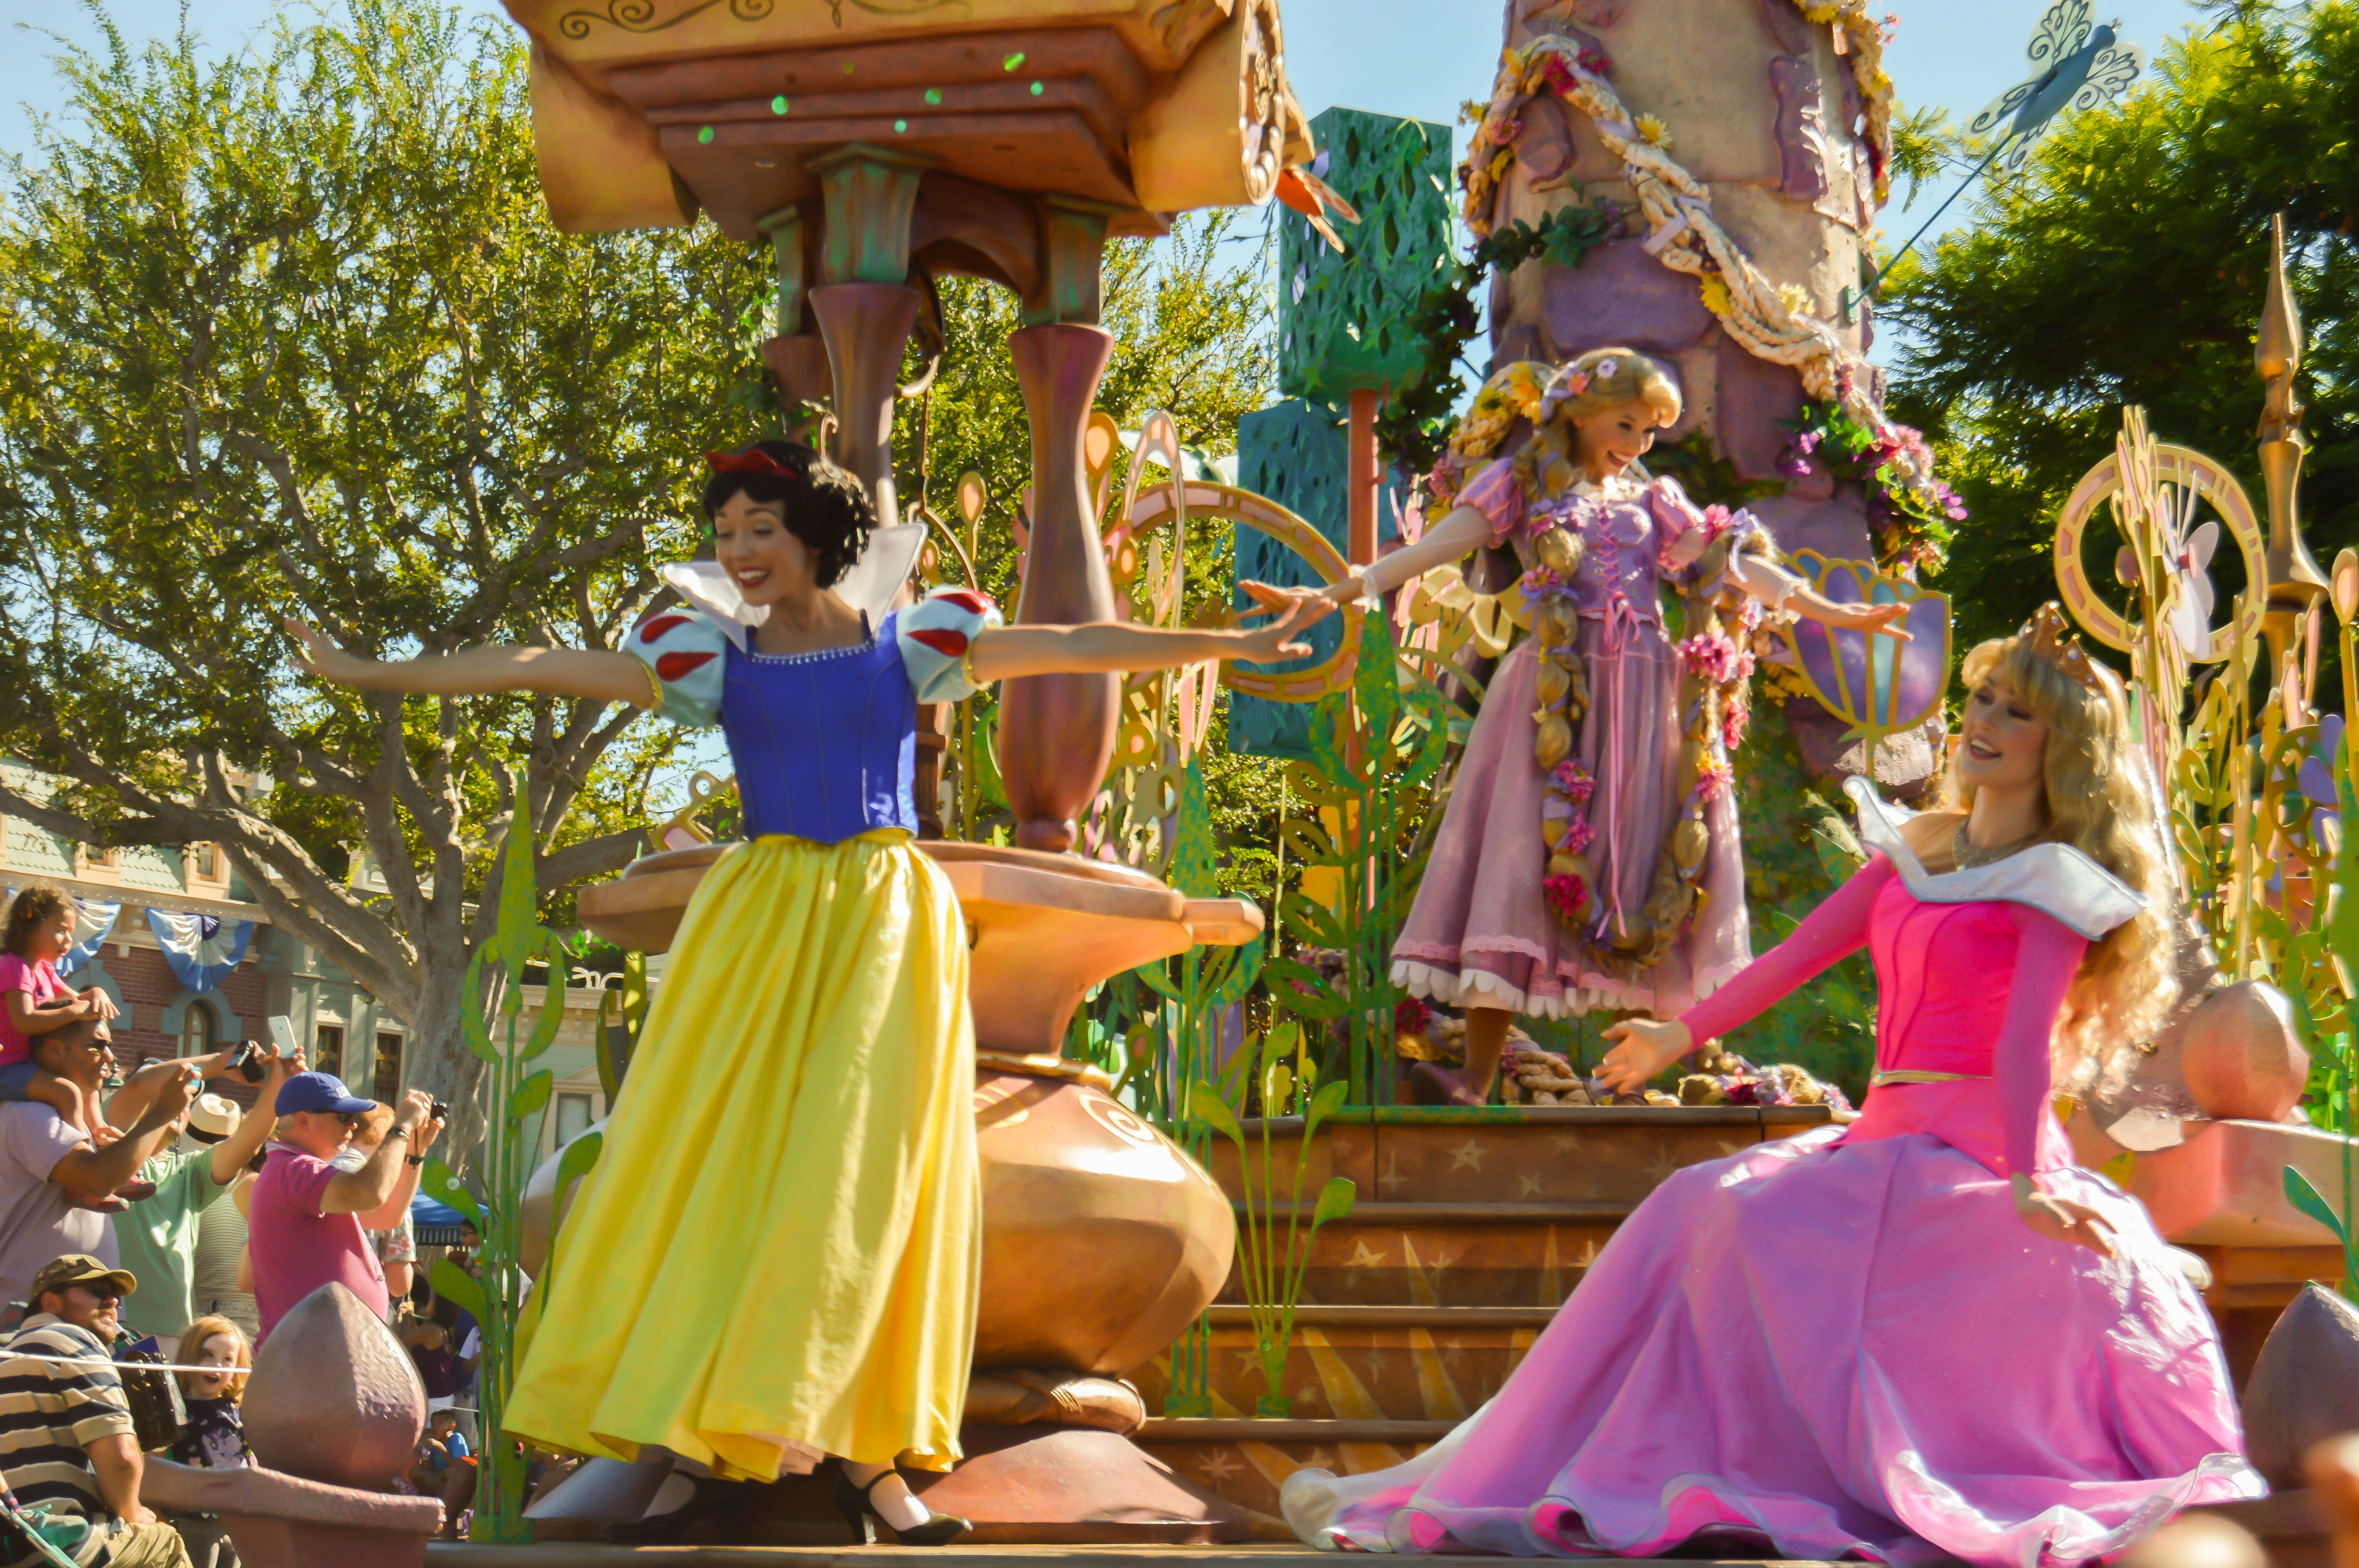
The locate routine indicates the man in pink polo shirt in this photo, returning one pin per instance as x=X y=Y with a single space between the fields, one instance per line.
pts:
x=304 y=1224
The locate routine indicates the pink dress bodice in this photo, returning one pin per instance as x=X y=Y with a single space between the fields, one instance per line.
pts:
x=1634 y=537
x=1970 y=989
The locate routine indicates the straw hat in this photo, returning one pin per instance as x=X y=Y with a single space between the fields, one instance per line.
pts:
x=213 y=1117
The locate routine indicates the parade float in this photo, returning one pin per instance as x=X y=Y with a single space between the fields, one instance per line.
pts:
x=1217 y=1247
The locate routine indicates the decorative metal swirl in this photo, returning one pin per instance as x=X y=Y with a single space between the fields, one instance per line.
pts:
x=640 y=16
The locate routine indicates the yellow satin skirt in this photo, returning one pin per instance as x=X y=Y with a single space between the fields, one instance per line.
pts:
x=776 y=1255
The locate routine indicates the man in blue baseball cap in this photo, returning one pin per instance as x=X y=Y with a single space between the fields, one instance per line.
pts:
x=307 y=1223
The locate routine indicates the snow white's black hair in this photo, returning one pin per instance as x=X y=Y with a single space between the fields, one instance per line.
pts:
x=825 y=507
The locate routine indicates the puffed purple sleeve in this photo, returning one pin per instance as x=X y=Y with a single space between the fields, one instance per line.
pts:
x=1832 y=932
x=2048 y=954
x=1497 y=494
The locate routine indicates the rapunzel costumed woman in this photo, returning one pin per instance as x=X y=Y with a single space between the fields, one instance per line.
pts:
x=1924 y=1335
x=1587 y=856
x=776 y=1257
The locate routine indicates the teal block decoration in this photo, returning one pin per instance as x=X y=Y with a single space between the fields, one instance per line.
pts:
x=1343 y=318
x=1295 y=452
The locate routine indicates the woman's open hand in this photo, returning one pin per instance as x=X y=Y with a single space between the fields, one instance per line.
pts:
x=1885 y=618
x=1644 y=1047
x=321 y=656
x=2061 y=1219
x=1294 y=610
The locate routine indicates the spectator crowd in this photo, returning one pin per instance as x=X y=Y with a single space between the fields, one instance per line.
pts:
x=116 y=1246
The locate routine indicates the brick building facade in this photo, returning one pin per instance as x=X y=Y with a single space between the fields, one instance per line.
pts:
x=341 y=1027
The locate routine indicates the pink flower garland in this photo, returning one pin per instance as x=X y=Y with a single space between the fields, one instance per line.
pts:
x=1568 y=895
x=1711 y=657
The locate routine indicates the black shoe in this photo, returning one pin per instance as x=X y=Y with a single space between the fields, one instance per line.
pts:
x=851 y=1502
x=712 y=1499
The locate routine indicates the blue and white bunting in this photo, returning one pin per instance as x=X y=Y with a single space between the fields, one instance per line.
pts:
x=201 y=948
x=94 y=923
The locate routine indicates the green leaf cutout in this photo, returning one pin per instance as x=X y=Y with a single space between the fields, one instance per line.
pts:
x=454 y=1284
x=1335 y=1200
x=1204 y=1103
x=531 y=1093
x=442 y=1185
x=2305 y=1197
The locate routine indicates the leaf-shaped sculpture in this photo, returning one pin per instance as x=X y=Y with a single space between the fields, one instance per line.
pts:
x=1877 y=684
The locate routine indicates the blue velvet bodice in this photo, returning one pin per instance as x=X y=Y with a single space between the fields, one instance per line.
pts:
x=825 y=743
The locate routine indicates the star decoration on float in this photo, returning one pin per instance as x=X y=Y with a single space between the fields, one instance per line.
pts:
x=1469 y=1154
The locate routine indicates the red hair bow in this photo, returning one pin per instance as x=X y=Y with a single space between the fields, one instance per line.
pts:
x=753 y=459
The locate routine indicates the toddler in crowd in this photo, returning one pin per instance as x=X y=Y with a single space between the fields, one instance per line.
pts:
x=41 y=932
x=34 y=1001
x=215 y=1435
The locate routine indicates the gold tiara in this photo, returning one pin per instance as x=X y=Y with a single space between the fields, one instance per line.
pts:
x=2051 y=639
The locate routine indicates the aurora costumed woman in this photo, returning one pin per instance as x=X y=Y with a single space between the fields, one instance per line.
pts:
x=777 y=1257
x=1587 y=856
x=1924 y=1335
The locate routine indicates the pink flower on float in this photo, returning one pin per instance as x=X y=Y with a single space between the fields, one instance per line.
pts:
x=1579 y=836
x=1710 y=656
x=1717 y=520
x=1735 y=719
x=1749 y=613
x=1593 y=61
x=1712 y=779
x=1411 y=1016
x=1568 y=895
x=1574 y=780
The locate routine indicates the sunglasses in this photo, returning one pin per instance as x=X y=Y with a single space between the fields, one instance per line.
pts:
x=104 y=1290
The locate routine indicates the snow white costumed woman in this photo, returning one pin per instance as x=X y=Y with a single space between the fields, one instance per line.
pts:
x=777 y=1257
x=1587 y=856
x=1925 y=1336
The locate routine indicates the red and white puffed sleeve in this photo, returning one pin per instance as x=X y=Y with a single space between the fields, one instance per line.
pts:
x=685 y=650
x=935 y=634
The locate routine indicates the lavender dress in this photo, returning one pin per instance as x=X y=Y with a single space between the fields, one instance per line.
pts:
x=1480 y=933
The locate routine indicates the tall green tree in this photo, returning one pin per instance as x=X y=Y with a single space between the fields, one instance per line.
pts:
x=290 y=334
x=2125 y=264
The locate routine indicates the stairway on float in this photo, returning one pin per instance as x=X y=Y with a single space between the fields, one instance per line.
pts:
x=1472 y=1225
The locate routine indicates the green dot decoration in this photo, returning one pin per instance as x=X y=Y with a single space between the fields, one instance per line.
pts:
x=705 y=136
x=1012 y=61
x=1038 y=89
x=900 y=125
x=779 y=104
x=933 y=95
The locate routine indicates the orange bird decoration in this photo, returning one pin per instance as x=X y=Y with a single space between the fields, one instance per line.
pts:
x=1314 y=199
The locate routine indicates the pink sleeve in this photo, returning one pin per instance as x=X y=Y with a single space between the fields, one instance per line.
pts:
x=1833 y=931
x=2046 y=957
x=1497 y=494
x=307 y=1182
x=1671 y=506
x=15 y=975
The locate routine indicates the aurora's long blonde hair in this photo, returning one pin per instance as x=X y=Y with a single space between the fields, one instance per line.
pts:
x=2097 y=802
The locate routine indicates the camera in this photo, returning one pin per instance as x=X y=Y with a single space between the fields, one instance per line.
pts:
x=247 y=1059
x=439 y=1111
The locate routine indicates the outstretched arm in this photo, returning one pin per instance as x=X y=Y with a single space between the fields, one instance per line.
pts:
x=560 y=672
x=1458 y=535
x=1004 y=652
x=1776 y=585
x=1833 y=931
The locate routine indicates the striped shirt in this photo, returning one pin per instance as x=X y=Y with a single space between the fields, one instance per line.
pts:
x=49 y=1413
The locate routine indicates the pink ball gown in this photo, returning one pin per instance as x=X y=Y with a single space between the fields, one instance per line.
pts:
x=1848 y=1342
x=1480 y=933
